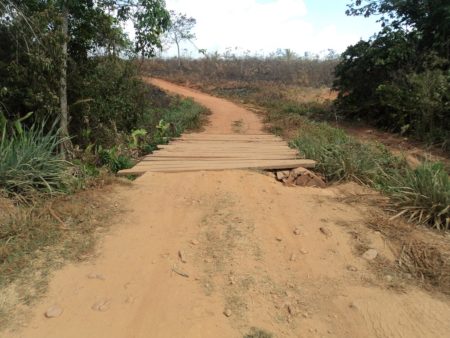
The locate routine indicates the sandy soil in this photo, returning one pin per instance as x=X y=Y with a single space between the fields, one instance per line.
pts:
x=256 y=254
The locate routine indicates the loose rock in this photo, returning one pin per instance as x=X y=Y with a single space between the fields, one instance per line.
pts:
x=293 y=257
x=291 y=309
x=297 y=231
x=182 y=256
x=94 y=275
x=352 y=306
x=280 y=175
x=227 y=312
x=102 y=305
x=305 y=178
x=326 y=231
x=181 y=273
x=194 y=242
x=279 y=239
x=370 y=254
x=54 y=311
x=352 y=268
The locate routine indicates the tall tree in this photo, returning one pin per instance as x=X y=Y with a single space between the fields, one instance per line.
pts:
x=180 y=29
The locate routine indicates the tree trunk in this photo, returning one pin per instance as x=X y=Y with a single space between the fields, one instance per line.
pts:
x=64 y=117
x=179 y=56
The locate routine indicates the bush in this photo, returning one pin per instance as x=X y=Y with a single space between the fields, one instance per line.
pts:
x=108 y=102
x=114 y=160
x=399 y=79
x=422 y=194
x=30 y=162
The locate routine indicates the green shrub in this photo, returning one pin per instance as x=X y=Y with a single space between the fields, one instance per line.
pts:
x=108 y=102
x=165 y=123
x=114 y=159
x=30 y=162
x=417 y=104
x=422 y=194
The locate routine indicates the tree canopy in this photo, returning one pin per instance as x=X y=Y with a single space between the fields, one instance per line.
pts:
x=400 y=77
x=32 y=62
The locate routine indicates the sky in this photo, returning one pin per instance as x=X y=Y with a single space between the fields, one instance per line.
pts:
x=263 y=26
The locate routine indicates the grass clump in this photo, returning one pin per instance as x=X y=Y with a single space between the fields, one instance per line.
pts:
x=30 y=162
x=185 y=114
x=422 y=193
x=341 y=157
x=258 y=333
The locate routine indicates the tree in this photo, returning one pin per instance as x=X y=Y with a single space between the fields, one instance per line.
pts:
x=180 y=29
x=428 y=19
x=55 y=41
x=400 y=78
x=66 y=145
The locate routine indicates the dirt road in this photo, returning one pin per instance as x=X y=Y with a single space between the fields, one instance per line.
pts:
x=256 y=255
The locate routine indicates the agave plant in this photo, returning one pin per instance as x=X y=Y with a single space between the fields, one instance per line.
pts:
x=30 y=161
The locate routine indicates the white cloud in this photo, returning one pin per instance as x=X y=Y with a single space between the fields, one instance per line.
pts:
x=258 y=26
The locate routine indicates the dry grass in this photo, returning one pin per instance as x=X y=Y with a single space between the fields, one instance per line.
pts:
x=421 y=254
x=295 y=71
x=258 y=333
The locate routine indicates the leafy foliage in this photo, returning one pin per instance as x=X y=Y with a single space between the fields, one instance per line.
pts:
x=31 y=56
x=114 y=160
x=400 y=78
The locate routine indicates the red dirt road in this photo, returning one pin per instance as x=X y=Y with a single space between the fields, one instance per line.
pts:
x=257 y=254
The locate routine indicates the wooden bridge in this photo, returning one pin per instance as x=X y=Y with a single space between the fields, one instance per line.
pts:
x=201 y=151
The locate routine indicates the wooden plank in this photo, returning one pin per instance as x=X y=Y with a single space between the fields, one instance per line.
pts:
x=205 y=135
x=209 y=141
x=224 y=138
x=221 y=146
x=191 y=159
x=244 y=163
x=207 y=153
x=220 y=154
x=216 y=154
x=137 y=170
x=227 y=143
